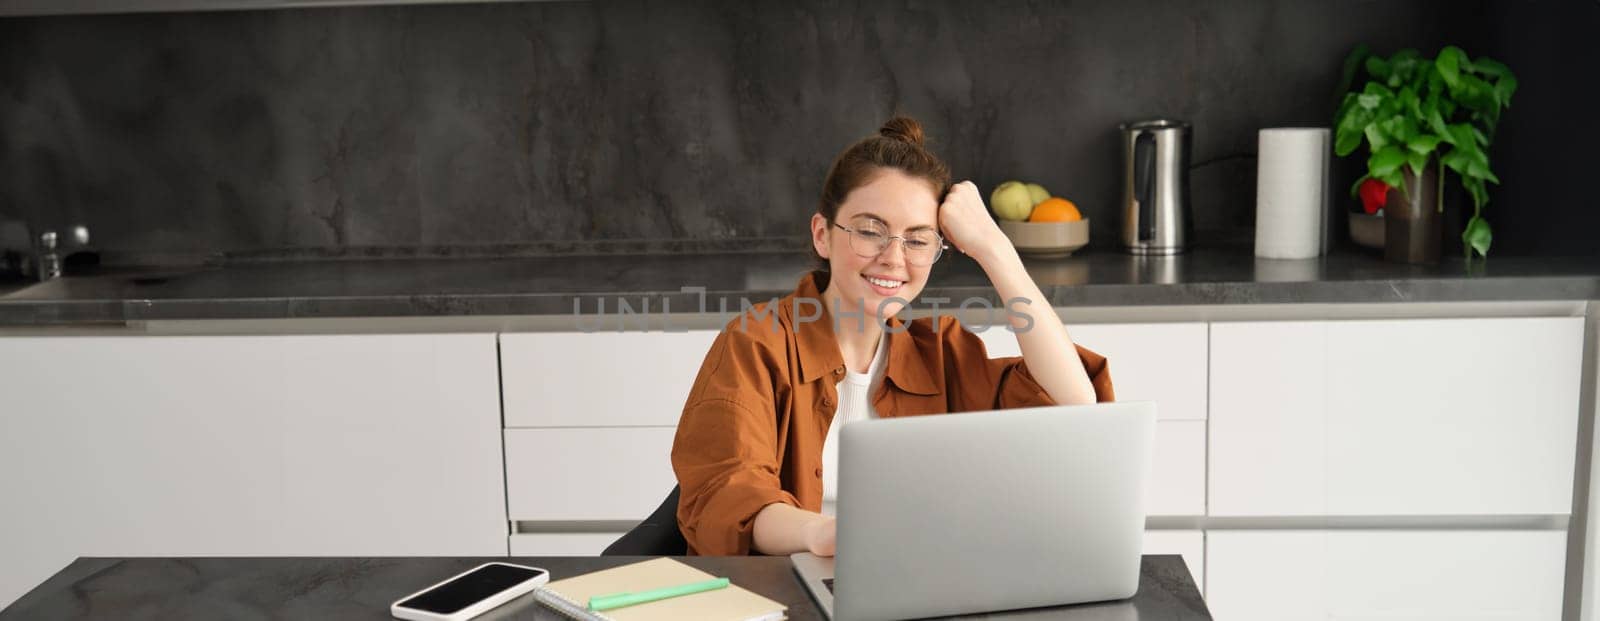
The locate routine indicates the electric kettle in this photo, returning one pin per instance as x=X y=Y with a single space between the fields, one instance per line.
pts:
x=1155 y=186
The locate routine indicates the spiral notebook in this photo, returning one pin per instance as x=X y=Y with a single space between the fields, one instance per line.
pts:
x=570 y=596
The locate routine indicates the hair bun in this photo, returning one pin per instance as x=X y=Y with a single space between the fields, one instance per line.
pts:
x=903 y=128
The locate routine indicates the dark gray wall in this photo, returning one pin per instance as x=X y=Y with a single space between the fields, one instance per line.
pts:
x=497 y=123
x=1544 y=156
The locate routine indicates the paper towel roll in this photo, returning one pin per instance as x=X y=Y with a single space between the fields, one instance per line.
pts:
x=1291 y=192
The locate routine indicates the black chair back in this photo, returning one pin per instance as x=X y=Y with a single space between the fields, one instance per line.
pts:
x=657 y=535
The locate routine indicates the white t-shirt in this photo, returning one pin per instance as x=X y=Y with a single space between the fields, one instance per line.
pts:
x=855 y=403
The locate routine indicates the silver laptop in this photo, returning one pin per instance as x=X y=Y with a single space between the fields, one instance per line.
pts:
x=986 y=511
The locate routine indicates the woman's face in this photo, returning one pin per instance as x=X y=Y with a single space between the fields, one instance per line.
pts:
x=895 y=204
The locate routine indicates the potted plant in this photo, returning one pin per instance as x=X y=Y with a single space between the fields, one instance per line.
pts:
x=1417 y=117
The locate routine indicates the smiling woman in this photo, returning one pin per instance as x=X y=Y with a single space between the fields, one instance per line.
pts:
x=756 y=448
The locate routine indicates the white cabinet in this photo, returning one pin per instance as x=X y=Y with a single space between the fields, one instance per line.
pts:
x=600 y=379
x=261 y=445
x=1389 y=418
x=1384 y=575
x=1178 y=470
x=587 y=474
x=1160 y=362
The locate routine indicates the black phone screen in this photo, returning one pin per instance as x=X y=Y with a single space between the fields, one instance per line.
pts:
x=469 y=589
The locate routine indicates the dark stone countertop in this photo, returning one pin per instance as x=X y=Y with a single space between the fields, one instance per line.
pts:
x=363 y=588
x=552 y=285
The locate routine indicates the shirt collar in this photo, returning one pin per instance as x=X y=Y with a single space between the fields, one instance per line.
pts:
x=819 y=350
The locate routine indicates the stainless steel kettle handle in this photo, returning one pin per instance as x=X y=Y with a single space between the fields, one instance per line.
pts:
x=1144 y=172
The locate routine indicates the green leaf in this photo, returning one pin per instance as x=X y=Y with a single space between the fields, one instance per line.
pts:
x=1394 y=180
x=1477 y=235
x=1480 y=136
x=1351 y=113
x=1393 y=130
x=1480 y=195
x=1477 y=94
x=1385 y=162
x=1406 y=128
x=1423 y=143
x=1352 y=122
x=1346 y=142
x=1390 y=107
x=1345 y=102
x=1449 y=65
x=1436 y=123
x=1352 y=62
x=1378 y=68
x=1464 y=138
x=1375 y=137
x=1491 y=123
x=1490 y=67
x=1456 y=160
x=1504 y=88
x=1369 y=102
x=1417 y=161
x=1408 y=97
x=1480 y=170
x=1404 y=64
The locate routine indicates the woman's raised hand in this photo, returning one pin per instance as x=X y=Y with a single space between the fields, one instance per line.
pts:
x=965 y=221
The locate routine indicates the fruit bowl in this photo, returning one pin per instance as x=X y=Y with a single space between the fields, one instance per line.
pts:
x=1047 y=239
x=1366 y=230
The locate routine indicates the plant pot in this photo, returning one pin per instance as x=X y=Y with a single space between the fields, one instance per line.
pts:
x=1412 y=223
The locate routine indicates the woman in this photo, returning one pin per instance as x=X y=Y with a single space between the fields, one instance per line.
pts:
x=757 y=443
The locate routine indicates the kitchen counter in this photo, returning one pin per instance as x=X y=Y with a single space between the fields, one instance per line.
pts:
x=553 y=285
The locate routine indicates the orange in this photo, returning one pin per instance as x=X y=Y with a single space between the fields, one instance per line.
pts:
x=1055 y=209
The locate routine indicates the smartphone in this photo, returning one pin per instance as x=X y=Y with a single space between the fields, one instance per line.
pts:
x=470 y=594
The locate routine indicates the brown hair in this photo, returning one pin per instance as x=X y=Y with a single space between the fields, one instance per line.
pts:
x=899 y=145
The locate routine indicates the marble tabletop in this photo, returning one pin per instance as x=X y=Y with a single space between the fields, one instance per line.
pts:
x=687 y=282
x=363 y=588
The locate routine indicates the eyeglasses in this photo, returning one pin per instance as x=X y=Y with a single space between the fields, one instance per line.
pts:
x=870 y=238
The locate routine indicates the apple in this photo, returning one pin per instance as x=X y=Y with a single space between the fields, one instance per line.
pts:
x=1012 y=200
x=1037 y=193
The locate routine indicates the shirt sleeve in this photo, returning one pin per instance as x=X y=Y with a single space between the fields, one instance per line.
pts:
x=726 y=451
x=974 y=381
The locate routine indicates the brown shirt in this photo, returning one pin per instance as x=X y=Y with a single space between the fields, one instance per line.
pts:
x=752 y=430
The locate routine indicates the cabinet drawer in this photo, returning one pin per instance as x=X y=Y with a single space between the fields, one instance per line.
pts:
x=600 y=379
x=1406 y=417
x=561 y=544
x=1160 y=362
x=1188 y=543
x=1404 y=574
x=587 y=474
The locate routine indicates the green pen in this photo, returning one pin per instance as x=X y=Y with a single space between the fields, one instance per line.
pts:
x=618 y=600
